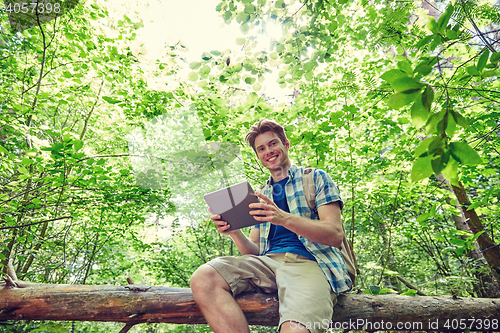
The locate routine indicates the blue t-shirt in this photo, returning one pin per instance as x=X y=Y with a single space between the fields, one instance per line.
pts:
x=280 y=238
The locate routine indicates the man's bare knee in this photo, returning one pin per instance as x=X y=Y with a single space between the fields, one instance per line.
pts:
x=206 y=279
x=293 y=326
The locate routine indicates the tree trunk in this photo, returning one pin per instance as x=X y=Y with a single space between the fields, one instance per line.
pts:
x=176 y=305
x=489 y=287
x=491 y=251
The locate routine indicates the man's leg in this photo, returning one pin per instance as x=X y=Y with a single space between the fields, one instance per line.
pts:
x=305 y=295
x=213 y=296
x=293 y=327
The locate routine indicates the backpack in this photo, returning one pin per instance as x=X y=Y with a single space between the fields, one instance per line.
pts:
x=346 y=247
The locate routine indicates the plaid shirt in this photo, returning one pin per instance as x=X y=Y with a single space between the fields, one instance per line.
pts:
x=329 y=258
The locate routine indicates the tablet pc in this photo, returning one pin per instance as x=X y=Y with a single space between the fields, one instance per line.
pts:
x=231 y=203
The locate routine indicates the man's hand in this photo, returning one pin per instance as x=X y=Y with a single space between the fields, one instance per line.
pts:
x=222 y=226
x=269 y=210
x=246 y=245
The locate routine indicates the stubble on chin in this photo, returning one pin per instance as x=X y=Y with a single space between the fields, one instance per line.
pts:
x=279 y=171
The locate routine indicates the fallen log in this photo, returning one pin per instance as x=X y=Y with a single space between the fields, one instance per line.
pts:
x=159 y=304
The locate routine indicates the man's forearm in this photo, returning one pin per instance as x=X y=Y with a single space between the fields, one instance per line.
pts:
x=318 y=231
x=245 y=244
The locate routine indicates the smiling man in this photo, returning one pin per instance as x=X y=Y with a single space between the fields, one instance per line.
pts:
x=294 y=250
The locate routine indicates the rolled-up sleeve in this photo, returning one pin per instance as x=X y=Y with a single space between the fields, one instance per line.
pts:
x=326 y=190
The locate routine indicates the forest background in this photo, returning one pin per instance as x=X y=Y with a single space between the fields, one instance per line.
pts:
x=106 y=154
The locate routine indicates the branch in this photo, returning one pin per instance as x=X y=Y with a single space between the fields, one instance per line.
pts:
x=35 y=223
x=87 y=119
x=480 y=34
x=470 y=89
x=410 y=286
x=298 y=10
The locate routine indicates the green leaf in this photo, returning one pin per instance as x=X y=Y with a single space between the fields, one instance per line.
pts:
x=423 y=146
x=419 y=114
x=459 y=119
x=476 y=236
x=424 y=69
x=193 y=76
x=483 y=60
x=437 y=143
x=333 y=26
x=475 y=205
x=405 y=66
x=436 y=42
x=487 y=74
x=427 y=98
x=393 y=75
x=194 y=65
x=3 y=150
x=249 y=80
x=27 y=161
x=444 y=18
x=375 y=289
x=451 y=125
x=457 y=241
x=410 y=292
x=421 y=169
x=309 y=66
x=423 y=217
x=439 y=163
x=434 y=121
x=424 y=41
x=451 y=34
x=206 y=56
x=244 y=28
x=249 y=8
x=495 y=57
x=22 y=170
x=464 y=153
x=111 y=100
x=387 y=291
x=397 y=101
x=473 y=71
x=405 y=85
x=242 y=18
x=67 y=75
x=205 y=70
x=252 y=98
x=78 y=144
x=432 y=25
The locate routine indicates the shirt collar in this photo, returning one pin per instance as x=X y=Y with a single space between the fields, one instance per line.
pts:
x=290 y=172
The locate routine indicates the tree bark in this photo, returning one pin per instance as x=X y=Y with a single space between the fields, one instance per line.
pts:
x=491 y=251
x=176 y=305
x=489 y=286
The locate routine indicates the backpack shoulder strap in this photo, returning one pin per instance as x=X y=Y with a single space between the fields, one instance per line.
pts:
x=309 y=188
x=346 y=247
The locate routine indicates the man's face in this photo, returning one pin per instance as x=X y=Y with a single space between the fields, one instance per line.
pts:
x=271 y=151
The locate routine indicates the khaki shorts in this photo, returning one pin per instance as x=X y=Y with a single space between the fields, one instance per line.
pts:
x=305 y=296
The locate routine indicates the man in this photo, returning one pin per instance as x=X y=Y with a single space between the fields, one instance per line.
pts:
x=294 y=251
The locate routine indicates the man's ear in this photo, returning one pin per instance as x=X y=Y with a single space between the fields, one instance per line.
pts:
x=287 y=144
